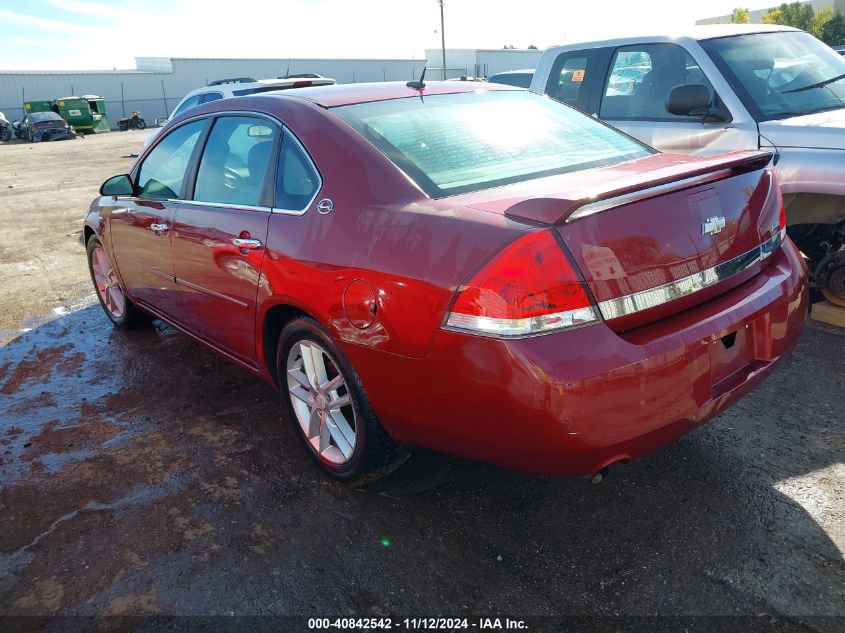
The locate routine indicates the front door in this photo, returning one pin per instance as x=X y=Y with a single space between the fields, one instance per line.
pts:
x=141 y=225
x=638 y=84
x=220 y=232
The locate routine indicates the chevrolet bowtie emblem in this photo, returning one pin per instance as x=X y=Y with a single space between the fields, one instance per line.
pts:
x=712 y=226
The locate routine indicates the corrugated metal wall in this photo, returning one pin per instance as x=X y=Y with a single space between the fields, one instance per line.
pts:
x=157 y=93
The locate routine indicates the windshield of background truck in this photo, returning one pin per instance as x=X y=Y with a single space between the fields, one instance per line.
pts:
x=782 y=74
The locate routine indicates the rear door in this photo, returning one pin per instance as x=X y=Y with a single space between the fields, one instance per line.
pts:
x=220 y=232
x=141 y=225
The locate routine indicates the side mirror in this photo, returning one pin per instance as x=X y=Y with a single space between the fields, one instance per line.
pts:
x=118 y=186
x=161 y=121
x=693 y=100
x=684 y=100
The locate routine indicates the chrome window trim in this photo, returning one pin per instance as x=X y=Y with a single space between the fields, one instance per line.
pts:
x=651 y=192
x=660 y=295
x=225 y=205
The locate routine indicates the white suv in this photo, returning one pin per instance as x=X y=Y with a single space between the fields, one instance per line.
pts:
x=238 y=87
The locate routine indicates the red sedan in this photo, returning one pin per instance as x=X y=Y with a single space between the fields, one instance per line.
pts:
x=484 y=272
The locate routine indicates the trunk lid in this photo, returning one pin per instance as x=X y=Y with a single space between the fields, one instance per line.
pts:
x=658 y=235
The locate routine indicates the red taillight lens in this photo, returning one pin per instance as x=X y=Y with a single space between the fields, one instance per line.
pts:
x=302 y=84
x=779 y=201
x=528 y=288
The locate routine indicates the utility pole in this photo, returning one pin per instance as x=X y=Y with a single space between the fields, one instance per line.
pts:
x=442 y=40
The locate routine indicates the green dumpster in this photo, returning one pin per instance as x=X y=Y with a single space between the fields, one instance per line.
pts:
x=37 y=106
x=87 y=114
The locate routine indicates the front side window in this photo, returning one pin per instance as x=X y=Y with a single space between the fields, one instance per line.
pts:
x=163 y=171
x=781 y=74
x=297 y=181
x=235 y=161
x=641 y=78
x=450 y=144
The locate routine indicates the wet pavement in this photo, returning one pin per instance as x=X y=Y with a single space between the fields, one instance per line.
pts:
x=142 y=474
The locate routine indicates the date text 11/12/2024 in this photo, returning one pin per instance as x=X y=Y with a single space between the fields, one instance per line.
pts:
x=430 y=624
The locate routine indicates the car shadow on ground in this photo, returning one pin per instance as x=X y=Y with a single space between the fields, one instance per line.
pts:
x=140 y=473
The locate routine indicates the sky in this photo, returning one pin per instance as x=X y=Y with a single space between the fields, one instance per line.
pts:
x=102 y=34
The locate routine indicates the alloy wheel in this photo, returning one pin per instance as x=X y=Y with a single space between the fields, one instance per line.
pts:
x=321 y=402
x=106 y=281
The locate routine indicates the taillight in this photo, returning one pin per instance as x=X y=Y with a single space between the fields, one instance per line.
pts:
x=302 y=84
x=779 y=201
x=528 y=288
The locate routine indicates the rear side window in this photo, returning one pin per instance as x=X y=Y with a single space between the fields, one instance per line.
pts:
x=163 y=170
x=211 y=96
x=187 y=104
x=568 y=80
x=297 y=181
x=235 y=161
x=641 y=78
x=452 y=144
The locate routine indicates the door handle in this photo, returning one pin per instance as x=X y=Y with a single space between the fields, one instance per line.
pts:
x=247 y=243
x=159 y=228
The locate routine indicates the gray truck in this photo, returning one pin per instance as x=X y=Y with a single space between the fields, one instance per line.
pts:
x=720 y=88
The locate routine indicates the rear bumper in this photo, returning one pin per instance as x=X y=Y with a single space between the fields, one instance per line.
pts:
x=574 y=402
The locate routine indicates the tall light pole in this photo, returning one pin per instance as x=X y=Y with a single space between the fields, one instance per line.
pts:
x=442 y=40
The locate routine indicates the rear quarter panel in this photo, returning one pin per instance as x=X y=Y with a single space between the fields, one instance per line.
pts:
x=413 y=252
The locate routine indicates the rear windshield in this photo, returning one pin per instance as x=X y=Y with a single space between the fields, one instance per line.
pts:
x=45 y=116
x=520 y=80
x=451 y=144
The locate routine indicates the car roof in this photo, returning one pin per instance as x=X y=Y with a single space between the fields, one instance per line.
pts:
x=698 y=32
x=349 y=94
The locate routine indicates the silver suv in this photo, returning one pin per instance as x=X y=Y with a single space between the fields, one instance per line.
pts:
x=239 y=87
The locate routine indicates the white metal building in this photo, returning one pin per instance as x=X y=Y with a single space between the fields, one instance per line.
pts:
x=158 y=83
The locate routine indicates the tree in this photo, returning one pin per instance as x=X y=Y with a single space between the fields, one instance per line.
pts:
x=833 y=31
x=796 y=14
x=531 y=47
x=740 y=16
x=773 y=16
x=822 y=17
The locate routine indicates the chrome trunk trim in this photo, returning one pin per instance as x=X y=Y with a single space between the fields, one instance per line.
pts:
x=646 y=299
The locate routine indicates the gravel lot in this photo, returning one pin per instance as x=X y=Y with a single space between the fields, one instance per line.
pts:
x=142 y=474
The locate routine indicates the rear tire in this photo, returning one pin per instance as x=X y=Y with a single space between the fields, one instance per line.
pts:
x=357 y=449
x=119 y=308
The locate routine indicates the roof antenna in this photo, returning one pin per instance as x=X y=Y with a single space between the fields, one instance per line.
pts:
x=418 y=85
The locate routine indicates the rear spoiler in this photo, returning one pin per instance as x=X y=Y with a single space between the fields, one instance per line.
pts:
x=633 y=188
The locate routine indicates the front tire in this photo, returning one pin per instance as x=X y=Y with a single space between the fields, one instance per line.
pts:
x=142 y=125
x=118 y=307
x=330 y=409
